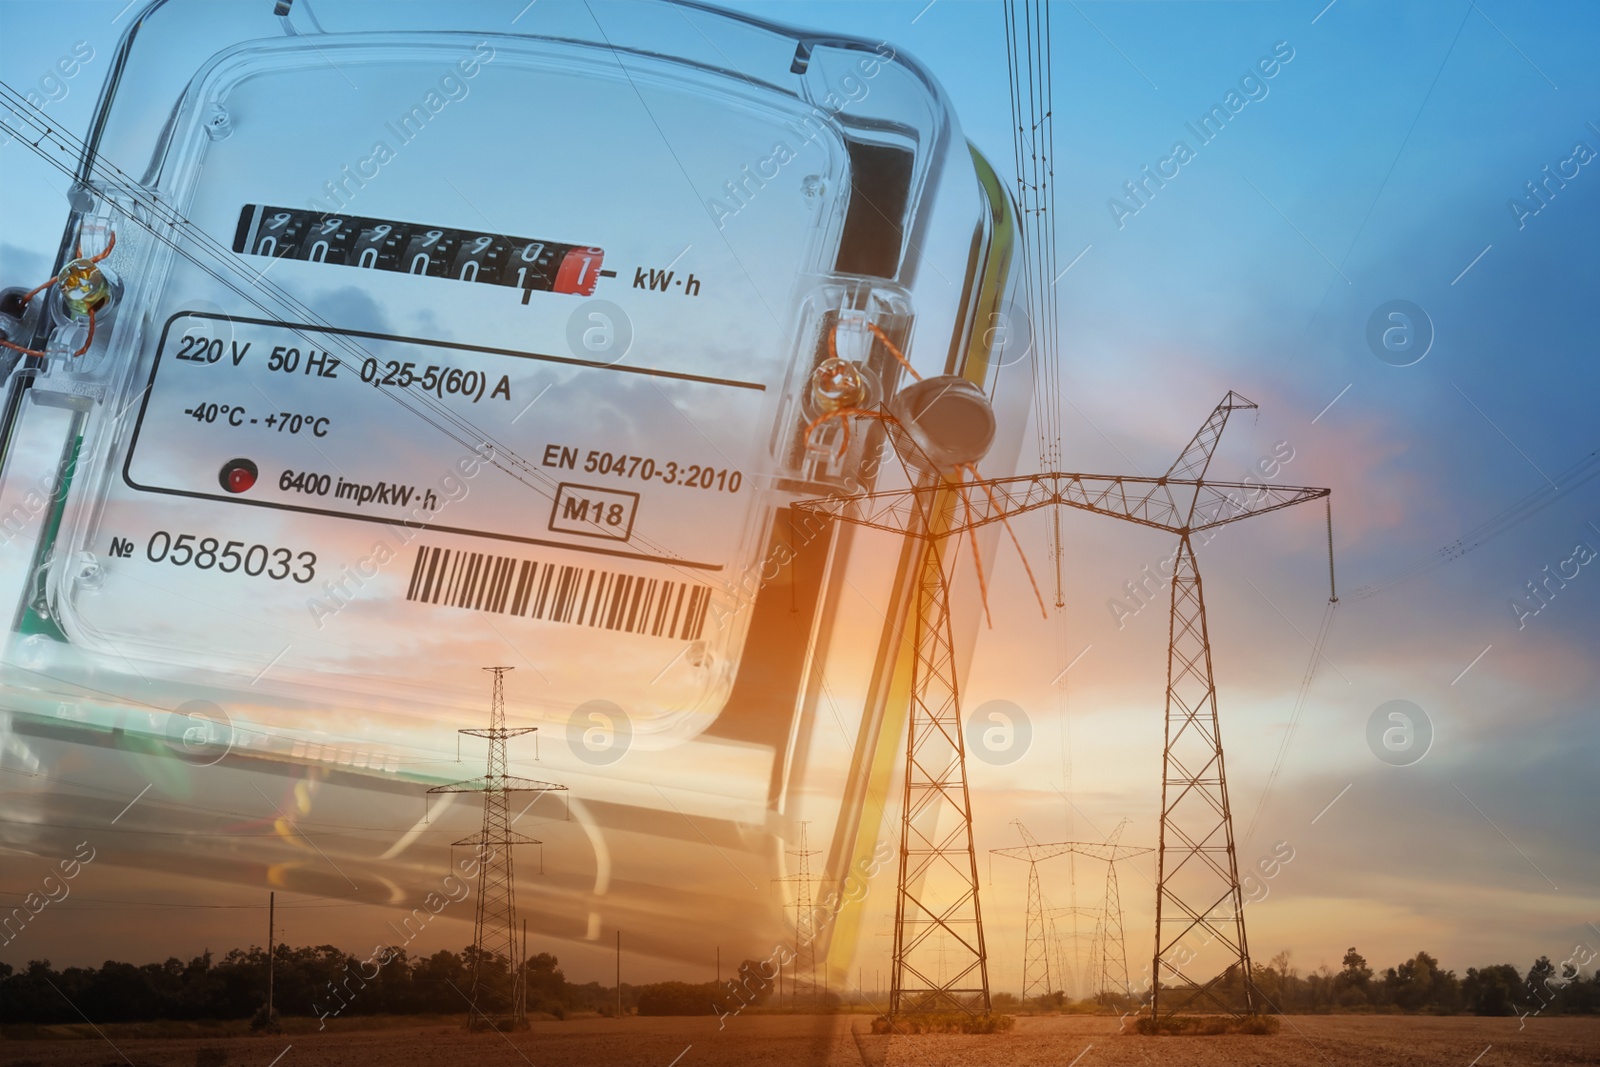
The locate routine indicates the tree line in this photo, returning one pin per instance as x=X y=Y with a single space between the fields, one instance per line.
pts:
x=1418 y=985
x=321 y=981
x=327 y=982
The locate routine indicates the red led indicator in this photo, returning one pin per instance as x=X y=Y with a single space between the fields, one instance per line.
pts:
x=238 y=475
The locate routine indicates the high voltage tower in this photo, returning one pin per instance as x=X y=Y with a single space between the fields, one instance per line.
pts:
x=1076 y=936
x=1113 y=949
x=805 y=932
x=1198 y=893
x=1198 y=896
x=497 y=1000
x=1035 y=943
x=1197 y=884
x=1110 y=954
x=937 y=889
x=939 y=960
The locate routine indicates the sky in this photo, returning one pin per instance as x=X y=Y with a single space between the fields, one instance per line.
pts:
x=1386 y=159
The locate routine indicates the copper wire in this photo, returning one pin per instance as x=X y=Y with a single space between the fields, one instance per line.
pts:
x=19 y=348
x=893 y=350
x=111 y=242
x=844 y=413
x=25 y=300
x=87 y=341
x=37 y=291
x=989 y=492
x=977 y=557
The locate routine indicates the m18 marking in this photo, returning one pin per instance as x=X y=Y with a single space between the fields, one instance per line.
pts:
x=594 y=512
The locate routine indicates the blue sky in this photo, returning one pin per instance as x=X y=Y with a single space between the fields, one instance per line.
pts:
x=1378 y=166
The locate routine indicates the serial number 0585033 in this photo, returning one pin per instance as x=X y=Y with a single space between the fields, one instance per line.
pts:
x=207 y=553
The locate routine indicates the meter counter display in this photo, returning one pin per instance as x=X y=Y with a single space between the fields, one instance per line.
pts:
x=438 y=252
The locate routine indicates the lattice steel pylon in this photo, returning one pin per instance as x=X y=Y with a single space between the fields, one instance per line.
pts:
x=936 y=892
x=805 y=931
x=1035 y=945
x=1035 y=942
x=1076 y=936
x=1198 y=891
x=1111 y=851
x=937 y=897
x=1113 y=949
x=496 y=1000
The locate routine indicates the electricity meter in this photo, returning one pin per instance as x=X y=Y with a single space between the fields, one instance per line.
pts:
x=392 y=341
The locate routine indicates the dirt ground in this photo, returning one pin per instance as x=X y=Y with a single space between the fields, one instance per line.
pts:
x=1066 y=1041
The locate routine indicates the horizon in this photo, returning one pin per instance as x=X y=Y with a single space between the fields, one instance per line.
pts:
x=1387 y=150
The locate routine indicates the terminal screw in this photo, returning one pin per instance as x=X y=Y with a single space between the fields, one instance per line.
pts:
x=837 y=384
x=84 y=287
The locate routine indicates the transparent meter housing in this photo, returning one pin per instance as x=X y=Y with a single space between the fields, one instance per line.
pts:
x=431 y=337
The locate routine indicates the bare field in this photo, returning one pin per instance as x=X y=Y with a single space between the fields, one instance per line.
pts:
x=1083 y=1041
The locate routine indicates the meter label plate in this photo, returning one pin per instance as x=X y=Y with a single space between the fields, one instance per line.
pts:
x=621 y=461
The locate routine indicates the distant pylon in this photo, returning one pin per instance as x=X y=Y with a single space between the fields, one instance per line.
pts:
x=805 y=932
x=1113 y=950
x=1035 y=948
x=1107 y=955
x=1035 y=943
x=1068 y=976
x=494 y=1003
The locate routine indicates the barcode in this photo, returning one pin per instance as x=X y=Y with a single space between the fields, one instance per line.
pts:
x=582 y=596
